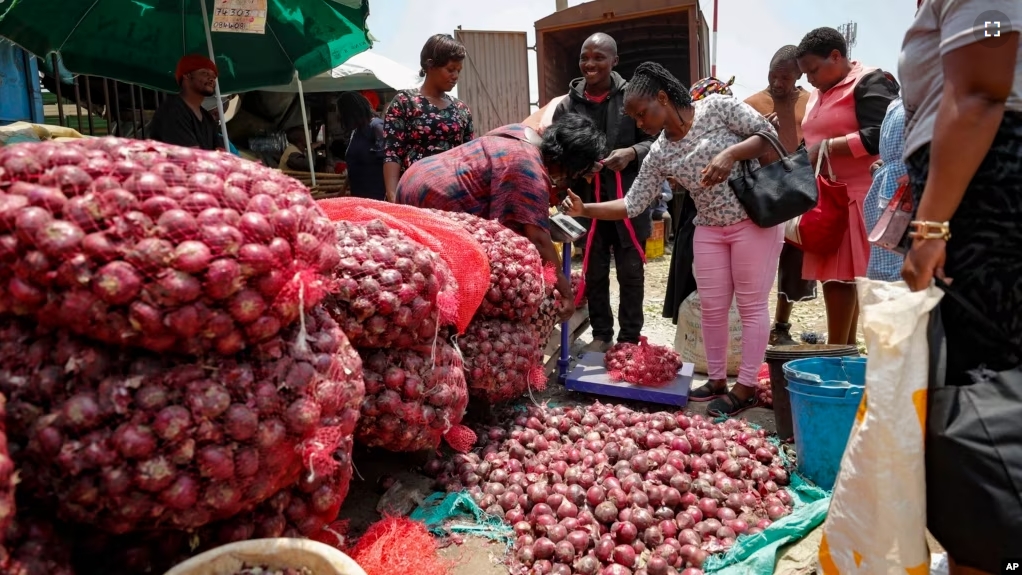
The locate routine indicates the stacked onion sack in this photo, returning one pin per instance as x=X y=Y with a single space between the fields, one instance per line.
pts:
x=395 y=299
x=606 y=490
x=502 y=347
x=163 y=350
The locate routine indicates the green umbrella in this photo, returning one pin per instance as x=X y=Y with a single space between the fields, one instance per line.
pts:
x=140 y=41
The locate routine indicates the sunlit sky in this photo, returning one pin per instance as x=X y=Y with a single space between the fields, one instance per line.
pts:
x=749 y=31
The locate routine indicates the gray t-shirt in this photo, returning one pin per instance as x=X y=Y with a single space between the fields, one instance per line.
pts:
x=940 y=27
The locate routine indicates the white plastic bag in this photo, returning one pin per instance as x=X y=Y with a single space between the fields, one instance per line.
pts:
x=877 y=518
x=276 y=553
x=688 y=339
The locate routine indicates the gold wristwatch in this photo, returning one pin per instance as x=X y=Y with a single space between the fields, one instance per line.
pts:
x=924 y=230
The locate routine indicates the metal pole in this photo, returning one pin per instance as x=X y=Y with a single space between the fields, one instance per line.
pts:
x=88 y=105
x=60 y=96
x=564 y=360
x=78 y=106
x=212 y=56
x=308 y=135
x=713 y=63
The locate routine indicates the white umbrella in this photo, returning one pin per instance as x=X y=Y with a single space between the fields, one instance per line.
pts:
x=365 y=71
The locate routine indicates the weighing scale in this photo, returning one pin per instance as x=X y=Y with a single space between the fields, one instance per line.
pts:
x=590 y=376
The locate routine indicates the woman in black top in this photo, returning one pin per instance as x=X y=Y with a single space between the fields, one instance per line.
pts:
x=364 y=150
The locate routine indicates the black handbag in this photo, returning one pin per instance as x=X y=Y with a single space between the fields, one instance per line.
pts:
x=974 y=454
x=778 y=192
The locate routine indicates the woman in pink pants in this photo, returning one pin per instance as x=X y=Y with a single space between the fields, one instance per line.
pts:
x=699 y=144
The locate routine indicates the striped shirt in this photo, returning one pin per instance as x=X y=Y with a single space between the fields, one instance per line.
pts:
x=499 y=176
x=885 y=265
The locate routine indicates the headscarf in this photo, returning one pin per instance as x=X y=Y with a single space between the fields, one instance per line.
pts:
x=711 y=85
x=192 y=62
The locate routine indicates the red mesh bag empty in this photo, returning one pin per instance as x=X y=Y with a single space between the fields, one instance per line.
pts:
x=463 y=255
x=642 y=363
x=123 y=440
x=518 y=280
x=387 y=289
x=150 y=245
x=503 y=359
x=413 y=397
x=398 y=545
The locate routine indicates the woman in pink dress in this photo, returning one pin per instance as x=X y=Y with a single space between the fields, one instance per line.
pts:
x=843 y=116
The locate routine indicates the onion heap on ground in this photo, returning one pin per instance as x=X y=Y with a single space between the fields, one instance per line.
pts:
x=606 y=490
x=149 y=245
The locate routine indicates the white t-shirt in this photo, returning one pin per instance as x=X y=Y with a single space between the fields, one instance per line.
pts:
x=940 y=27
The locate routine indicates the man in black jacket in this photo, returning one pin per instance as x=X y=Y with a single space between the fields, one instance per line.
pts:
x=599 y=94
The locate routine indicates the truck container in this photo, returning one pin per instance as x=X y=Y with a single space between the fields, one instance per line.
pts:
x=670 y=32
x=20 y=97
x=494 y=79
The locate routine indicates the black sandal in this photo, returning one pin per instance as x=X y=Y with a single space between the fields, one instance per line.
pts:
x=705 y=392
x=730 y=405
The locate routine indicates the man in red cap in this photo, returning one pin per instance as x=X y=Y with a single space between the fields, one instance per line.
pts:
x=181 y=119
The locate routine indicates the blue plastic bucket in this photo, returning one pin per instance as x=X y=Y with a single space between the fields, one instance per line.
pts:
x=823 y=422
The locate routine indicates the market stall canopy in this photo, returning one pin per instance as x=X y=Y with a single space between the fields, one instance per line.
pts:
x=365 y=71
x=140 y=41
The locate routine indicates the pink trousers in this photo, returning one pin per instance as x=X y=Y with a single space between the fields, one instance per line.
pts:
x=736 y=262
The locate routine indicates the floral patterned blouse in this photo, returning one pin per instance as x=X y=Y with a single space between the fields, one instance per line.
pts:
x=719 y=123
x=416 y=129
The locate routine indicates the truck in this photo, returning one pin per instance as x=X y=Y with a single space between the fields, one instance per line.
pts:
x=494 y=80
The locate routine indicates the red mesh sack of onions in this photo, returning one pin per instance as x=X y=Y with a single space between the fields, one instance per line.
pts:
x=503 y=360
x=35 y=547
x=548 y=316
x=413 y=397
x=518 y=277
x=127 y=441
x=642 y=363
x=155 y=246
x=389 y=290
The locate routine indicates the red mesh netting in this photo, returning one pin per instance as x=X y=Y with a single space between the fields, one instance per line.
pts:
x=463 y=255
x=124 y=440
x=517 y=276
x=389 y=290
x=642 y=363
x=413 y=397
x=34 y=547
x=502 y=359
x=398 y=545
x=149 y=245
x=764 y=390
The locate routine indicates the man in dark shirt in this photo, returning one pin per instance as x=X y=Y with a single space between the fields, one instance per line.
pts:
x=181 y=119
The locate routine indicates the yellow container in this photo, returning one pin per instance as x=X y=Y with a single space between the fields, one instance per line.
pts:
x=655 y=243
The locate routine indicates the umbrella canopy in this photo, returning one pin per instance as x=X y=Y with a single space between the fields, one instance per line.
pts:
x=140 y=41
x=365 y=71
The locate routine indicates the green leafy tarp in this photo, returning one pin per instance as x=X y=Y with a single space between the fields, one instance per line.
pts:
x=757 y=554
x=446 y=513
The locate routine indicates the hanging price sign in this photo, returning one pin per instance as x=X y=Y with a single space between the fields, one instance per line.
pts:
x=240 y=16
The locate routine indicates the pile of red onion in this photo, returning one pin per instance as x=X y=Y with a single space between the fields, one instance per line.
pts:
x=387 y=287
x=413 y=397
x=517 y=274
x=34 y=547
x=604 y=490
x=502 y=359
x=7 y=478
x=124 y=440
x=642 y=363
x=161 y=247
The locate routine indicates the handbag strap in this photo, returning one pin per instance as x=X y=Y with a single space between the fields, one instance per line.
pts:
x=980 y=318
x=824 y=153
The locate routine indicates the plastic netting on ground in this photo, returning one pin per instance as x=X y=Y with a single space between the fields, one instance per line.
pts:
x=503 y=359
x=463 y=255
x=389 y=290
x=518 y=278
x=150 y=245
x=413 y=397
x=7 y=479
x=446 y=513
x=642 y=363
x=34 y=547
x=124 y=440
x=398 y=545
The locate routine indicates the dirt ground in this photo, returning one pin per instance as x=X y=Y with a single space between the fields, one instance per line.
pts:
x=481 y=557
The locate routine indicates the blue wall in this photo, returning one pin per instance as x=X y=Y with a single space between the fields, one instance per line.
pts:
x=20 y=96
